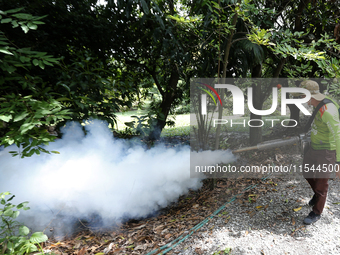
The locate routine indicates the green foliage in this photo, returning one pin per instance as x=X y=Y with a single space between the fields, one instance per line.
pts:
x=221 y=252
x=260 y=37
x=182 y=109
x=16 y=18
x=14 y=238
x=154 y=44
x=224 y=145
x=87 y=89
x=153 y=54
x=26 y=119
x=15 y=58
x=145 y=124
x=125 y=133
x=293 y=44
x=302 y=70
x=141 y=125
x=176 y=131
x=36 y=90
x=27 y=106
x=334 y=88
x=331 y=67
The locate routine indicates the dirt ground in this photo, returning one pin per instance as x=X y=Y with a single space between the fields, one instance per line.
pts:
x=259 y=215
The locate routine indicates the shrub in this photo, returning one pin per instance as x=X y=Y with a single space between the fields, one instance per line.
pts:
x=14 y=238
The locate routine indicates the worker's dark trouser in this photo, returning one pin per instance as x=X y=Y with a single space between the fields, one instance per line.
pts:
x=317 y=167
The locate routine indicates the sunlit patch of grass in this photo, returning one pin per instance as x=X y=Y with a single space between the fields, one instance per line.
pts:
x=176 y=131
x=182 y=124
x=181 y=128
x=123 y=117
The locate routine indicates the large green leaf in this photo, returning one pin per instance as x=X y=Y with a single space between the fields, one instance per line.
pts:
x=5 y=118
x=22 y=16
x=8 y=20
x=8 y=212
x=38 y=237
x=145 y=7
x=14 y=10
x=20 y=116
x=6 y=51
x=24 y=231
x=15 y=214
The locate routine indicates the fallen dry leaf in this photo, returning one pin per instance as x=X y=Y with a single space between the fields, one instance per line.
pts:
x=297 y=209
x=293 y=221
x=57 y=244
x=301 y=227
x=77 y=244
x=140 y=227
x=193 y=218
x=82 y=251
x=251 y=213
x=198 y=251
x=179 y=219
x=141 y=238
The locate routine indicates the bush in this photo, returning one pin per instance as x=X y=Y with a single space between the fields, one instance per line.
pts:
x=14 y=238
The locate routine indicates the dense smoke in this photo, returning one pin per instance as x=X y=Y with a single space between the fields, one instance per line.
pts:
x=96 y=174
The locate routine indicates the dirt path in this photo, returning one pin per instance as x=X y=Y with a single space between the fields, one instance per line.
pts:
x=272 y=224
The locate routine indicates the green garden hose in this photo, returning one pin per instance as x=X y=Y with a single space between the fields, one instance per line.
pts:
x=168 y=247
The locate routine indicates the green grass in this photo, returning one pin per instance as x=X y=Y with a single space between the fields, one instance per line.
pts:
x=123 y=117
x=182 y=123
x=182 y=126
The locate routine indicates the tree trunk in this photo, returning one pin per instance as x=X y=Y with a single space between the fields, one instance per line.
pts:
x=224 y=75
x=299 y=13
x=168 y=96
x=259 y=96
x=294 y=111
x=255 y=133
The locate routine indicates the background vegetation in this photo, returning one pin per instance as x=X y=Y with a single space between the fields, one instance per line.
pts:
x=66 y=60
x=70 y=59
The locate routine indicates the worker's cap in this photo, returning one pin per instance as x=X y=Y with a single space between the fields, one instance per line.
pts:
x=313 y=88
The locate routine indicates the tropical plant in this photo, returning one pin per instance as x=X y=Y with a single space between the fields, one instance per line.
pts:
x=14 y=236
x=27 y=106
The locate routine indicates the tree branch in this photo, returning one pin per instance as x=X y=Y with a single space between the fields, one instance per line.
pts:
x=153 y=74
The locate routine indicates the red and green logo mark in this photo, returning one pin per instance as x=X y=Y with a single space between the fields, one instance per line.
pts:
x=209 y=93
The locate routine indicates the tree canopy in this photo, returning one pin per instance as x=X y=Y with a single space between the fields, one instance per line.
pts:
x=70 y=59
